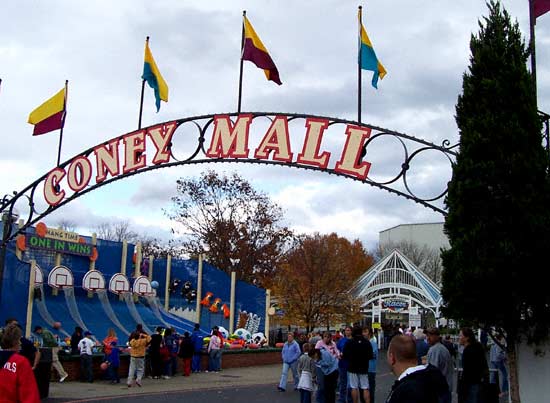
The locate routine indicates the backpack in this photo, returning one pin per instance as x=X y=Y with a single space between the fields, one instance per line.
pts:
x=164 y=353
x=48 y=339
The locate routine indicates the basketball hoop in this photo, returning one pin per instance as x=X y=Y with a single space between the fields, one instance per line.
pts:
x=93 y=280
x=60 y=277
x=119 y=284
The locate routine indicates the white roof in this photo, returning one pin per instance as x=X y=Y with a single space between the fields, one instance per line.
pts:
x=395 y=275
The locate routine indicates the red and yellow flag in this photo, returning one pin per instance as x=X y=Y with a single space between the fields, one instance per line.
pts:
x=255 y=51
x=50 y=115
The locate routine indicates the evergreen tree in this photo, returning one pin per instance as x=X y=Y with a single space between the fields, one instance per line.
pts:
x=499 y=212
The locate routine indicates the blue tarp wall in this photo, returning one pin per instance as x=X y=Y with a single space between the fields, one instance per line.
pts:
x=248 y=297
x=16 y=279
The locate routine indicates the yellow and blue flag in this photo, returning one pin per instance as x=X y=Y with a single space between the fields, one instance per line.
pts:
x=152 y=75
x=367 y=57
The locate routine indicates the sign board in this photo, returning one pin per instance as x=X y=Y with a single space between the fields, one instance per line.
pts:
x=395 y=316
x=376 y=310
x=376 y=325
x=415 y=320
x=61 y=235
x=413 y=310
x=229 y=139
x=396 y=305
x=73 y=248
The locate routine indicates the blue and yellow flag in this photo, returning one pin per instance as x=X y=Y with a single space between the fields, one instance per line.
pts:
x=367 y=57
x=152 y=75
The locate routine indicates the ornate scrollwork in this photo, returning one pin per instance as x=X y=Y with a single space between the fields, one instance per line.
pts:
x=187 y=146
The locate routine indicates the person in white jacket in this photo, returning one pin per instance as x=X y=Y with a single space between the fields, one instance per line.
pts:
x=214 y=351
x=85 y=347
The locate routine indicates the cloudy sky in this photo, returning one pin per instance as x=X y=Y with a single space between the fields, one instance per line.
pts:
x=98 y=47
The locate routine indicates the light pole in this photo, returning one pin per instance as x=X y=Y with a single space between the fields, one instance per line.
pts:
x=234 y=263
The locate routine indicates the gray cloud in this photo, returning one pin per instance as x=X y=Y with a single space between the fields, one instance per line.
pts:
x=98 y=46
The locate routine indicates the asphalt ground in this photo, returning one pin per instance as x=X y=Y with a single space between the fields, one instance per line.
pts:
x=250 y=384
x=239 y=385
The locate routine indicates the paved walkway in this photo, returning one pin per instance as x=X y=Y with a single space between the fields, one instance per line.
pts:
x=258 y=382
x=261 y=375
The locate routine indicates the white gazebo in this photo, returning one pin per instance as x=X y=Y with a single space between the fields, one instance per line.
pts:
x=396 y=279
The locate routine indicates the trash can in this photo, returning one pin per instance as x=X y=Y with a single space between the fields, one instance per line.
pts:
x=43 y=372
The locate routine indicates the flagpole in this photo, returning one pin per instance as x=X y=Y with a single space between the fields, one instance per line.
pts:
x=63 y=121
x=532 y=22
x=241 y=68
x=359 y=68
x=142 y=92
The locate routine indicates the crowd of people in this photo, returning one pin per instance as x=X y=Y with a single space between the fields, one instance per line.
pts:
x=424 y=363
x=20 y=356
x=161 y=352
x=325 y=362
x=321 y=363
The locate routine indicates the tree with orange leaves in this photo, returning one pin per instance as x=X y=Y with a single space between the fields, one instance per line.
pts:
x=313 y=281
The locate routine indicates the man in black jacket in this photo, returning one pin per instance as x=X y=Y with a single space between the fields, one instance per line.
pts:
x=415 y=383
x=75 y=339
x=358 y=352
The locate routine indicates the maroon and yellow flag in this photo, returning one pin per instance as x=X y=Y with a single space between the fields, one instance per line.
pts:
x=50 y=115
x=541 y=7
x=255 y=51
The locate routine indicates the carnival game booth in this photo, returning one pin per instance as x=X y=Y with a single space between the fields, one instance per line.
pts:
x=183 y=296
x=53 y=276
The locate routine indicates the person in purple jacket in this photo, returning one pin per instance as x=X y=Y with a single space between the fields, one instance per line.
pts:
x=291 y=353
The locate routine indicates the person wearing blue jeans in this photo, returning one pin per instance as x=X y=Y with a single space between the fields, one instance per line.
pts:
x=344 y=395
x=291 y=353
x=497 y=357
x=329 y=345
x=197 y=340
x=368 y=333
x=215 y=352
x=114 y=363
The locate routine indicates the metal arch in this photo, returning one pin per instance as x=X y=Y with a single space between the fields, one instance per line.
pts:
x=404 y=166
x=393 y=273
x=411 y=146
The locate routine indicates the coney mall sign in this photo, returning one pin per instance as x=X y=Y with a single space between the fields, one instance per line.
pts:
x=151 y=146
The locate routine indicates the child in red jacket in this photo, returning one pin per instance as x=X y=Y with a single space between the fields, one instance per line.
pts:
x=17 y=383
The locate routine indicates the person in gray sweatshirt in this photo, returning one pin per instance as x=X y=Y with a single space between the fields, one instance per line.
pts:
x=439 y=357
x=306 y=373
